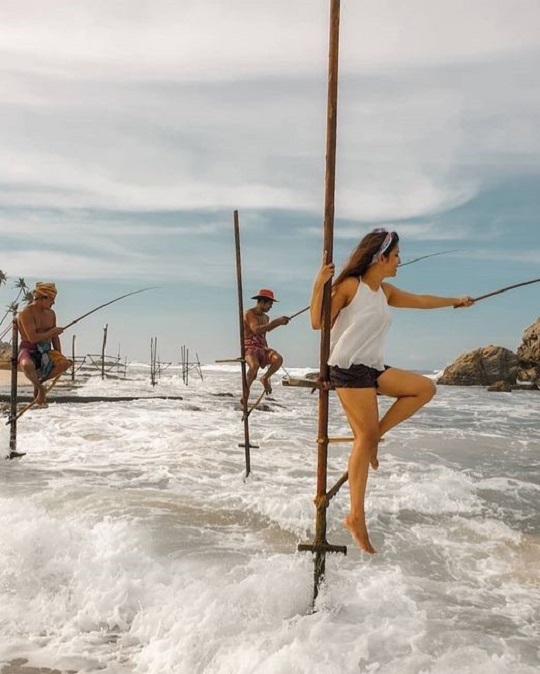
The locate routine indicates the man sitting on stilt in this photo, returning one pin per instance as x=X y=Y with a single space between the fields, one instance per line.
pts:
x=40 y=353
x=257 y=352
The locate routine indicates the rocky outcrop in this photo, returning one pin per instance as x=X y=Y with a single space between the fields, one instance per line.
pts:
x=501 y=387
x=482 y=367
x=528 y=354
x=497 y=367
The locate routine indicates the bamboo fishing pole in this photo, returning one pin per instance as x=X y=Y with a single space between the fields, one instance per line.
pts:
x=298 y=313
x=503 y=290
x=106 y=304
x=424 y=257
x=474 y=299
x=403 y=264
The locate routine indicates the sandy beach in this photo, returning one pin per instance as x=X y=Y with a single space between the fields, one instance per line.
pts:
x=24 y=384
x=5 y=379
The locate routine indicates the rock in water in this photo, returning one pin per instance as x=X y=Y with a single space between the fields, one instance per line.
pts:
x=528 y=354
x=482 y=367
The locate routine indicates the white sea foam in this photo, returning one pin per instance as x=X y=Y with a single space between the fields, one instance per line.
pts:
x=132 y=542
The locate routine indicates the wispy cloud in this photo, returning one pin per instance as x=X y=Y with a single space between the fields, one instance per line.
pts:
x=131 y=130
x=211 y=40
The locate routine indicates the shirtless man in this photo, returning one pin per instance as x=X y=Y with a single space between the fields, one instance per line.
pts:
x=40 y=353
x=256 y=349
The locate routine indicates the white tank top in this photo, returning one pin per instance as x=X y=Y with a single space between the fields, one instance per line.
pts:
x=357 y=337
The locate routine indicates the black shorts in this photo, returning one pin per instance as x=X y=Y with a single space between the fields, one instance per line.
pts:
x=356 y=376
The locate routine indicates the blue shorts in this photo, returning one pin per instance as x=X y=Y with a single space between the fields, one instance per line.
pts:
x=356 y=376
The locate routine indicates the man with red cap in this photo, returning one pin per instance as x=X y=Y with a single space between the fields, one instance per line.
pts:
x=40 y=353
x=256 y=350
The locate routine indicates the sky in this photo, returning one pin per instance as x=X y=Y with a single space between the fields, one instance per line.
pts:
x=132 y=129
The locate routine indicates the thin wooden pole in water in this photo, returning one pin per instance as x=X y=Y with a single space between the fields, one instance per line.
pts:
x=328 y=246
x=245 y=416
x=320 y=545
x=73 y=358
x=13 y=402
x=103 y=345
x=199 y=366
x=153 y=350
x=182 y=362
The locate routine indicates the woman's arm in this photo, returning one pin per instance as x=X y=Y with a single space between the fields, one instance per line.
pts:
x=341 y=296
x=403 y=300
x=315 y=309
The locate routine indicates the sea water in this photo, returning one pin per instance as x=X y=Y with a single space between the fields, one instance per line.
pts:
x=131 y=540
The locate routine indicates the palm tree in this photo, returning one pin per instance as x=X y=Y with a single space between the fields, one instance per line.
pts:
x=21 y=285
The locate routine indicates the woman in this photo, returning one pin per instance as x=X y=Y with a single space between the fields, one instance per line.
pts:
x=360 y=319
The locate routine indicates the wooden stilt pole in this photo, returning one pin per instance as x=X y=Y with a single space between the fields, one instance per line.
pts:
x=199 y=366
x=73 y=358
x=255 y=404
x=156 y=361
x=103 y=351
x=48 y=389
x=182 y=361
x=245 y=417
x=13 y=453
x=153 y=348
x=320 y=545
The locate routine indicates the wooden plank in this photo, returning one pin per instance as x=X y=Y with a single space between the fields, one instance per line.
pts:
x=302 y=383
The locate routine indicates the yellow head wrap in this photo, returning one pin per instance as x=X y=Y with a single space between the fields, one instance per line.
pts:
x=44 y=288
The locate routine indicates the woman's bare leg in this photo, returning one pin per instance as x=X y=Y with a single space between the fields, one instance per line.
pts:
x=412 y=391
x=361 y=408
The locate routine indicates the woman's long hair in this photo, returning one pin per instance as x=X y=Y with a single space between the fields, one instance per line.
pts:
x=362 y=255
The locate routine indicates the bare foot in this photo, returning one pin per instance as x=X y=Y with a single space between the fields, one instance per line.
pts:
x=359 y=533
x=40 y=397
x=373 y=459
x=266 y=383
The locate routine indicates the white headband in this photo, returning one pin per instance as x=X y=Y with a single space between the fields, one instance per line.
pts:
x=385 y=245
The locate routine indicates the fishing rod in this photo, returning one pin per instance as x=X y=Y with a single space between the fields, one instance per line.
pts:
x=101 y=306
x=298 y=313
x=403 y=264
x=503 y=290
x=106 y=304
x=424 y=257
